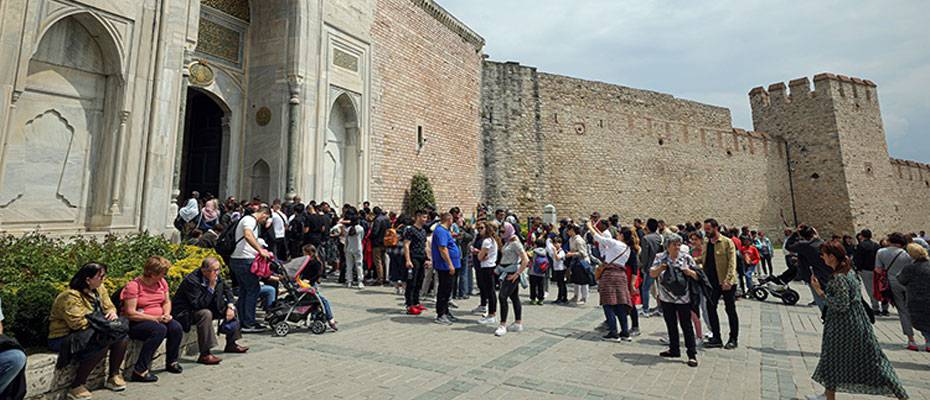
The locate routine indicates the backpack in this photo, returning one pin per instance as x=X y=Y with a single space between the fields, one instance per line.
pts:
x=226 y=243
x=390 y=238
x=540 y=264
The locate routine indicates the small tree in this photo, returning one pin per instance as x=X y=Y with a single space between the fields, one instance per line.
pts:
x=420 y=194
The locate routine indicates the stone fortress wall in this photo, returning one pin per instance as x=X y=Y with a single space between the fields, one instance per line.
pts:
x=818 y=156
x=584 y=146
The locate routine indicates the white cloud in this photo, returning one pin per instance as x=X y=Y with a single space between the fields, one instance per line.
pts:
x=715 y=52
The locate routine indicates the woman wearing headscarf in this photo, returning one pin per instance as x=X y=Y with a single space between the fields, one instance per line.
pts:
x=510 y=273
x=210 y=215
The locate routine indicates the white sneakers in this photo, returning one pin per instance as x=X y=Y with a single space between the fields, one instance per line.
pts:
x=487 y=320
x=502 y=330
x=361 y=286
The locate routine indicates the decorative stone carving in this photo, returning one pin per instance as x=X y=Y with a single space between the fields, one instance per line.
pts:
x=219 y=41
x=345 y=60
x=235 y=8
x=201 y=74
x=263 y=116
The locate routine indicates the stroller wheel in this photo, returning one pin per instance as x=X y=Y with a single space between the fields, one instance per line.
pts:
x=318 y=327
x=790 y=297
x=759 y=293
x=281 y=328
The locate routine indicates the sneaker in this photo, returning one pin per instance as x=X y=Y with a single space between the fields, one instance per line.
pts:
x=115 y=383
x=732 y=344
x=515 y=327
x=581 y=302
x=421 y=308
x=443 y=320
x=412 y=310
x=816 y=397
x=79 y=392
x=361 y=286
x=479 y=310
x=500 y=331
x=257 y=328
x=611 y=337
x=634 y=332
x=626 y=338
x=148 y=377
x=487 y=320
x=713 y=344
x=912 y=346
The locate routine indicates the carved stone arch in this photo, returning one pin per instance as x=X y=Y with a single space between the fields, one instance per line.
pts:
x=106 y=36
x=342 y=161
x=261 y=180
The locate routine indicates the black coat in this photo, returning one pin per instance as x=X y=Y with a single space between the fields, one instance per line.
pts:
x=809 y=261
x=193 y=295
x=864 y=258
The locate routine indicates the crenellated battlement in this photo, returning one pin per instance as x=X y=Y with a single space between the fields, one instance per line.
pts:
x=826 y=86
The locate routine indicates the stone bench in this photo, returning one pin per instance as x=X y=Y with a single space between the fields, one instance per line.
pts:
x=44 y=381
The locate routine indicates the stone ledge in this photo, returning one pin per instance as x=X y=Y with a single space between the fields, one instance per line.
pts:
x=44 y=382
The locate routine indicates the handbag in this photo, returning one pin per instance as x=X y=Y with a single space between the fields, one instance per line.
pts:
x=104 y=329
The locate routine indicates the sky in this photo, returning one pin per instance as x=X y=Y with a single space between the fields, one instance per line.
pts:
x=716 y=51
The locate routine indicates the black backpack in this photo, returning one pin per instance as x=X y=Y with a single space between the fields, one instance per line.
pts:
x=674 y=280
x=226 y=243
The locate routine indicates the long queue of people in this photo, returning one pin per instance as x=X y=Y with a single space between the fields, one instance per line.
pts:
x=685 y=269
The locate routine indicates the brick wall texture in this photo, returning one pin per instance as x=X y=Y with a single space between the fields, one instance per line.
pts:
x=424 y=75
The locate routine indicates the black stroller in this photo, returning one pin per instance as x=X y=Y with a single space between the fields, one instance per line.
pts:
x=301 y=307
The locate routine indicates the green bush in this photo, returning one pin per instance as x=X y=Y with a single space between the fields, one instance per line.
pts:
x=420 y=195
x=35 y=268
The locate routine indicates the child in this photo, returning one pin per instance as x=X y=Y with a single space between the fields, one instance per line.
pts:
x=751 y=259
x=308 y=274
x=538 y=272
x=557 y=254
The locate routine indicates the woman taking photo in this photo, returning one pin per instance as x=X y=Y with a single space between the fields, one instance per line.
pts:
x=851 y=360
x=68 y=327
x=147 y=305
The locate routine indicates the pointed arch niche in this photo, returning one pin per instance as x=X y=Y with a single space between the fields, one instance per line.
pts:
x=60 y=166
x=342 y=155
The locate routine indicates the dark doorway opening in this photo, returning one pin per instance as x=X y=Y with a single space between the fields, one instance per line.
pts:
x=203 y=145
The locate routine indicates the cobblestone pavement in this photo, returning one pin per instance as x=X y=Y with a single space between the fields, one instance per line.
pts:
x=380 y=353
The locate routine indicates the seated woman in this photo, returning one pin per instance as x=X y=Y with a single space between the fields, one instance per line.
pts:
x=148 y=307
x=202 y=298
x=70 y=333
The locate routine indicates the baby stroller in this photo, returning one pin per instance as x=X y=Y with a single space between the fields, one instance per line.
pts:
x=301 y=307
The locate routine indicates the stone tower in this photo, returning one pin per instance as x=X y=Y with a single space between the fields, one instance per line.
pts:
x=841 y=177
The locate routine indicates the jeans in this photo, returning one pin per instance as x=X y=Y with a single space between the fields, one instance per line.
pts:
x=12 y=361
x=269 y=294
x=766 y=263
x=679 y=315
x=510 y=290
x=248 y=289
x=537 y=291
x=443 y=293
x=152 y=333
x=819 y=301
x=414 y=283
x=463 y=280
x=559 y=277
x=729 y=301
x=614 y=311
x=644 y=290
x=327 y=309
x=486 y=287
x=749 y=271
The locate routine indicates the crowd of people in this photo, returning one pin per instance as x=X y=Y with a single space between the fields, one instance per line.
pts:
x=649 y=269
